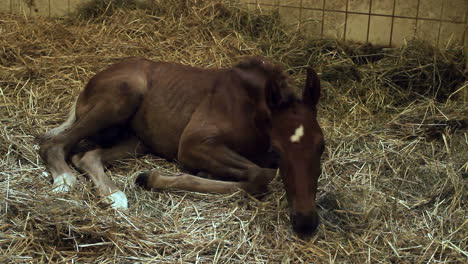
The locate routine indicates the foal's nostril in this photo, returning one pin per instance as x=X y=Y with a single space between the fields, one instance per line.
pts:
x=305 y=224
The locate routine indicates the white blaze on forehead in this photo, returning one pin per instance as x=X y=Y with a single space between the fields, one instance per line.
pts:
x=298 y=133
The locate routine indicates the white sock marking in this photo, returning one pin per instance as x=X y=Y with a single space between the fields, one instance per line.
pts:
x=64 y=182
x=298 y=133
x=118 y=200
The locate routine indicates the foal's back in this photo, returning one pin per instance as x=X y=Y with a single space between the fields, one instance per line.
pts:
x=163 y=97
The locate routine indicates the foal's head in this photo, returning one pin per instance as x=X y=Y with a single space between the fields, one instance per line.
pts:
x=295 y=135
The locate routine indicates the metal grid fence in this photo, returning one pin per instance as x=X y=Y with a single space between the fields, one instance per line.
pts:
x=381 y=22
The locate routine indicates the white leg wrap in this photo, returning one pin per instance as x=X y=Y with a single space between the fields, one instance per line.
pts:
x=64 y=182
x=118 y=200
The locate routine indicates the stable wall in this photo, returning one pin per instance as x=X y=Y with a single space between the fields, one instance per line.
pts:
x=380 y=22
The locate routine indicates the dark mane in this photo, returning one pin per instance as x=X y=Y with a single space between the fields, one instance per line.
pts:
x=273 y=72
x=289 y=100
x=250 y=63
x=261 y=64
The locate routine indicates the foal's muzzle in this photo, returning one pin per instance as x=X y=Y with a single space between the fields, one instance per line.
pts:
x=305 y=224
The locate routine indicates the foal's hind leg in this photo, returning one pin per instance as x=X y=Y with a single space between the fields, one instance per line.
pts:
x=92 y=162
x=98 y=115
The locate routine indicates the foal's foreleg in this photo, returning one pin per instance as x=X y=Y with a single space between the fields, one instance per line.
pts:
x=222 y=162
x=154 y=180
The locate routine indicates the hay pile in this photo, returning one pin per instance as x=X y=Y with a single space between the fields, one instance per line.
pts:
x=394 y=173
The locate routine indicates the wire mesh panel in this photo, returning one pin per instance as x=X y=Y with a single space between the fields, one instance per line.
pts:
x=54 y=8
x=381 y=22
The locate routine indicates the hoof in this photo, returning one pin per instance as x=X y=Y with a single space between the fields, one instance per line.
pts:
x=118 y=200
x=264 y=178
x=142 y=179
x=63 y=183
x=41 y=138
x=61 y=188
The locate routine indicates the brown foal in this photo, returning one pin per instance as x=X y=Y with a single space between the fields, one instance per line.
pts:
x=236 y=125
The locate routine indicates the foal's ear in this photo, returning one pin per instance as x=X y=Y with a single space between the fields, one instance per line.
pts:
x=311 y=93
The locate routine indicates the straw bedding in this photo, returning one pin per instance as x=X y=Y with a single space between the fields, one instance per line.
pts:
x=394 y=172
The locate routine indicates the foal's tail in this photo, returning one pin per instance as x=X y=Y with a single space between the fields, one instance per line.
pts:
x=63 y=127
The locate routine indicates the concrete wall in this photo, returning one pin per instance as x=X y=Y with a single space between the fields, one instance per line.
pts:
x=381 y=22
